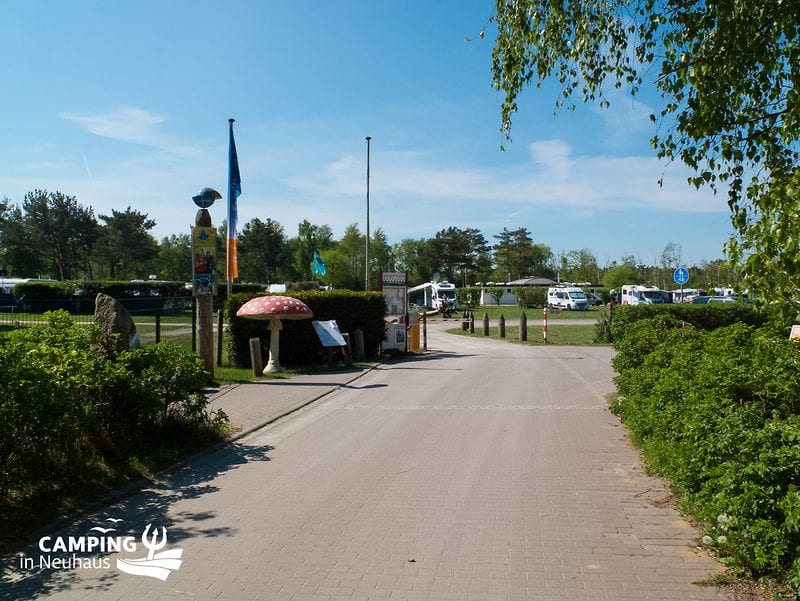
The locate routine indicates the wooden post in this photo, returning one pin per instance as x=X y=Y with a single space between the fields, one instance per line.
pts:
x=485 y=324
x=471 y=322
x=358 y=344
x=502 y=326
x=205 y=331
x=255 y=356
x=220 y=329
x=425 y=331
x=523 y=327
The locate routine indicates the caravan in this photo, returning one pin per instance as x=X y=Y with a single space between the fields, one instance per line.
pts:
x=634 y=294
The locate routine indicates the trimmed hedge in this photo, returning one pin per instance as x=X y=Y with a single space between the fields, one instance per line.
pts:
x=139 y=298
x=717 y=411
x=704 y=317
x=299 y=343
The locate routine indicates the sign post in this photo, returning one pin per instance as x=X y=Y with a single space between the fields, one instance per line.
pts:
x=204 y=277
x=681 y=276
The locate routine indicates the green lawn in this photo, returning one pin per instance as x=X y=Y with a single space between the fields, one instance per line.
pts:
x=581 y=335
x=514 y=311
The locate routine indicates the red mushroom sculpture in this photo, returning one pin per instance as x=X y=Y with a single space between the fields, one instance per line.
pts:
x=275 y=309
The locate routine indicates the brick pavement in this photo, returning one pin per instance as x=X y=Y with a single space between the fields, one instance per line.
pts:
x=253 y=405
x=429 y=479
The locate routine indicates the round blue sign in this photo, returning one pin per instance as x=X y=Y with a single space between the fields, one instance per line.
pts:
x=681 y=276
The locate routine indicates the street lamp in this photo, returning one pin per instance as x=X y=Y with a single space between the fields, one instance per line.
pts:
x=366 y=278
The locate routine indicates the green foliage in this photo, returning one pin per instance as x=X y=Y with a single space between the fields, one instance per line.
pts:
x=70 y=405
x=38 y=297
x=718 y=412
x=461 y=254
x=705 y=317
x=299 y=342
x=468 y=298
x=529 y=296
x=727 y=75
x=125 y=246
x=142 y=298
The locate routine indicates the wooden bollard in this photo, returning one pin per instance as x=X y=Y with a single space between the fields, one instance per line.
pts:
x=523 y=327
x=502 y=326
x=255 y=356
x=471 y=322
x=358 y=344
x=485 y=324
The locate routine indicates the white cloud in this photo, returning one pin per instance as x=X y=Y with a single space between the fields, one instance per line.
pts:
x=553 y=177
x=125 y=123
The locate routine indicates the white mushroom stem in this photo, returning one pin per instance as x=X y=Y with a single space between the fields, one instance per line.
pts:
x=273 y=364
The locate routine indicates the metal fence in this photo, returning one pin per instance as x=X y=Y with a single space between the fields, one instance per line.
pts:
x=155 y=319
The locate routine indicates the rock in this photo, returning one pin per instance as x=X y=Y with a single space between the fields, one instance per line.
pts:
x=113 y=318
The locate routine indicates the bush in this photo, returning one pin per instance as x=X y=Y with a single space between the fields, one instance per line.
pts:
x=705 y=317
x=70 y=405
x=529 y=296
x=298 y=340
x=718 y=412
x=468 y=298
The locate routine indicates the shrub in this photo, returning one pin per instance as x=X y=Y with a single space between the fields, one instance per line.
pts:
x=718 y=412
x=528 y=296
x=705 y=317
x=69 y=404
x=468 y=298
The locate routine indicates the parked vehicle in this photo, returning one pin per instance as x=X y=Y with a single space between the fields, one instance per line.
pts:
x=704 y=300
x=635 y=294
x=434 y=295
x=595 y=300
x=566 y=297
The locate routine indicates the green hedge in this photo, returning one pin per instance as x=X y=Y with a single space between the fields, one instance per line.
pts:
x=718 y=413
x=139 y=298
x=705 y=317
x=299 y=343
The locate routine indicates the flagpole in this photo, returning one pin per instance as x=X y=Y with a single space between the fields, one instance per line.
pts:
x=227 y=233
x=366 y=278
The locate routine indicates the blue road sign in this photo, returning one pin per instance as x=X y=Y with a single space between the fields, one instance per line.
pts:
x=681 y=276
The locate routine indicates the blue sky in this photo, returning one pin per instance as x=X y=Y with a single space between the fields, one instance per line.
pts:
x=127 y=104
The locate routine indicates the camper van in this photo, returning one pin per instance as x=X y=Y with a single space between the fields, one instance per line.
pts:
x=634 y=294
x=8 y=302
x=570 y=298
x=433 y=295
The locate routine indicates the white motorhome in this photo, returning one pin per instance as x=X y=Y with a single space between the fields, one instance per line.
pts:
x=433 y=295
x=567 y=297
x=635 y=294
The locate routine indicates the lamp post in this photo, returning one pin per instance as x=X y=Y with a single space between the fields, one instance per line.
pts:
x=366 y=269
x=204 y=277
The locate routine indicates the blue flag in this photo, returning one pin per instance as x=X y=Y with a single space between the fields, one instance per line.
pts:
x=234 y=191
x=318 y=265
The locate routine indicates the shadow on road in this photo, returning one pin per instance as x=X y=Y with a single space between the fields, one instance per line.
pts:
x=22 y=579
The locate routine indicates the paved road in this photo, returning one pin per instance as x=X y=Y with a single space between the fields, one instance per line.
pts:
x=484 y=470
